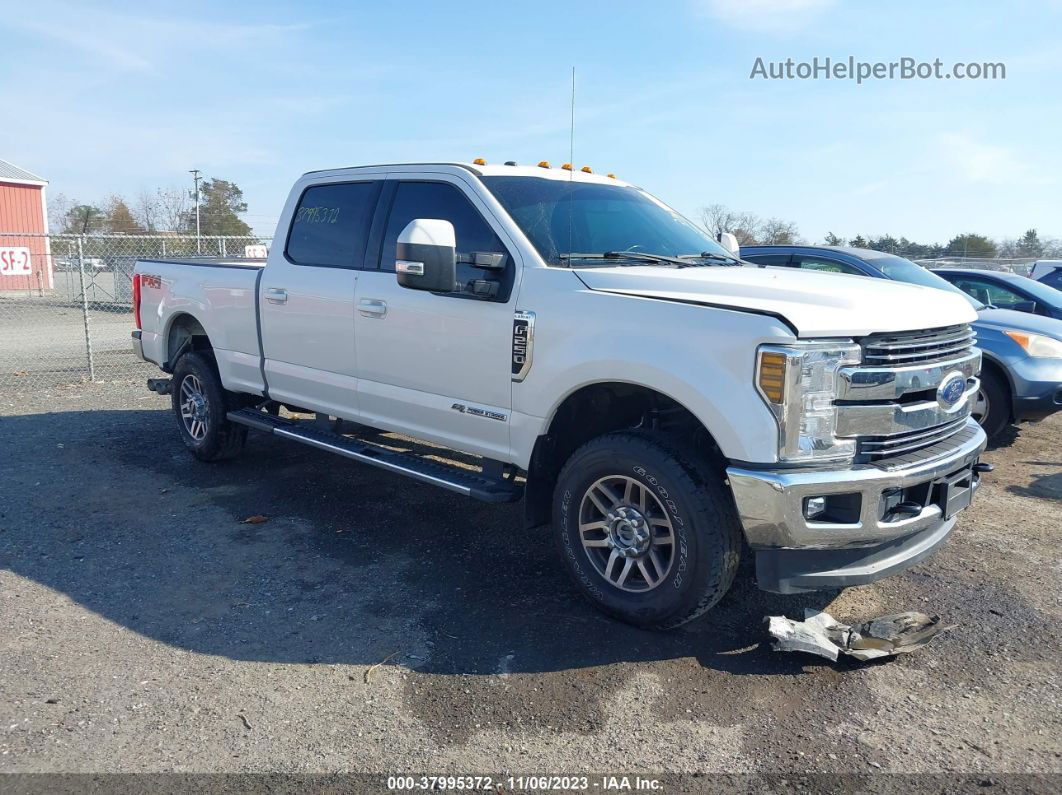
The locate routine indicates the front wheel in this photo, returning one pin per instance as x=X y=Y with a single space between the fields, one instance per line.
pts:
x=200 y=404
x=648 y=531
x=991 y=405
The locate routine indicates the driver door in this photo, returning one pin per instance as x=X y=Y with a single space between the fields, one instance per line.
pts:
x=432 y=365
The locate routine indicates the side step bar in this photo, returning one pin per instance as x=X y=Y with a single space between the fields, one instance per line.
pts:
x=462 y=481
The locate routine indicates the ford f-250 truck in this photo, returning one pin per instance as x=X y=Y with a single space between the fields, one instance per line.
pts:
x=597 y=355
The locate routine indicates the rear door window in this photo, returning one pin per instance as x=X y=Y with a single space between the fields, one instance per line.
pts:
x=331 y=223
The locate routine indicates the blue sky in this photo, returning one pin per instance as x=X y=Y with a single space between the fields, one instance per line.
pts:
x=120 y=97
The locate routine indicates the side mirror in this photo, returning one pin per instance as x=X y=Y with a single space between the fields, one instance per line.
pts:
x=426 y=256
x=730 y=242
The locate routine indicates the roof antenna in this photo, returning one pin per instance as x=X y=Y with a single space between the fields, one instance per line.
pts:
x=571 y=169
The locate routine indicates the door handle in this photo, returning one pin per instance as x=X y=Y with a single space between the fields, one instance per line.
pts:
x=372 y=307
x=276 y=295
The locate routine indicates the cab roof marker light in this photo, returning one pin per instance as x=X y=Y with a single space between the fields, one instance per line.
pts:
x=479 y=161
x=567 y=166
x=544 y=164
x=587 y=170
x=611 y=175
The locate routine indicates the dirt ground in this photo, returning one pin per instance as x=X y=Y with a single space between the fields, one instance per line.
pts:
x=374 y=625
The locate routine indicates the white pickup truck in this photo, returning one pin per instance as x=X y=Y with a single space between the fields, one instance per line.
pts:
x=575 y=342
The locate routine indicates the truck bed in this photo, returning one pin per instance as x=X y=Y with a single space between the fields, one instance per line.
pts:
x=211 y=262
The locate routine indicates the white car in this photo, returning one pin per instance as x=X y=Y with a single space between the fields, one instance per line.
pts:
x=603 y=359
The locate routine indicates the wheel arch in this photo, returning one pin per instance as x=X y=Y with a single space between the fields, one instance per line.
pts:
x=992 y=364
x=184 y=332
x=594 y=409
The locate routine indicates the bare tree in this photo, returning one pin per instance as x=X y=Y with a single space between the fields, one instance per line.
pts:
x=776 y=232
x=59 y=207
x=165 y=210
x=718 y=218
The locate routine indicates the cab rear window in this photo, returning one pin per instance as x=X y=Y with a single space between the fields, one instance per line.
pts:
x=331 y=223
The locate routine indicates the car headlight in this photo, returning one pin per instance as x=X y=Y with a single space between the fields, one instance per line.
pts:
x=1038 y=345
x=799 y=384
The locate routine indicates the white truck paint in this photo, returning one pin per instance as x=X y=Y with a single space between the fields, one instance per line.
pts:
x=351 y=342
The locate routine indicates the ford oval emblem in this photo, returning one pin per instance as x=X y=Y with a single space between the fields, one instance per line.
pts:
x=951 y=390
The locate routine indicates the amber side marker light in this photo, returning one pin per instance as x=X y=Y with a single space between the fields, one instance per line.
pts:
x=772 y=376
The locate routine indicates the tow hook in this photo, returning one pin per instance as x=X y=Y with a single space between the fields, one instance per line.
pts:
x=161 y=386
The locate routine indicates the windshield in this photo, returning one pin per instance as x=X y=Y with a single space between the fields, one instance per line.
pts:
x=903 y=270
x=561 y=217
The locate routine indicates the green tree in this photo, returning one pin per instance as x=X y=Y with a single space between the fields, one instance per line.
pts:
x=1029 y=245
x=83 y=219
x=971 y=245
x=120 y=220
x=858 y=242
x=220 y=206
x=886 y=243
x=833 y=240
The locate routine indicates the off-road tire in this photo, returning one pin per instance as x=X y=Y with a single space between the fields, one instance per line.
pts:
x=222 y=439
x=707 y=530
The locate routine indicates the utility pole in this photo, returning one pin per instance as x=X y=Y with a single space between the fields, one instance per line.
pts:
x=195 y=179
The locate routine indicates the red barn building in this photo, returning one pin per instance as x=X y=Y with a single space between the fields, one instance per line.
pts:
x=25 y=256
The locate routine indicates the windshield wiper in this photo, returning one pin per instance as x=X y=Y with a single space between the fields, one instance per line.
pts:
x=637 y=256
x=712 y=256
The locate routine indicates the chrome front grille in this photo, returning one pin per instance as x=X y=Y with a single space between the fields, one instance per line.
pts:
x=917 y=347
x=883 y=447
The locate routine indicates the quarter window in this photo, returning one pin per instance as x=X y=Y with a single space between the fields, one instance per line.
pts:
x=331 y=223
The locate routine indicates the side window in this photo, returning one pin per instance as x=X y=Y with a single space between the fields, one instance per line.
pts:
x=989 y=293
x=823 y=264
x=445 y=201
x=331 y=223
x=1053 y=279
x=769 y=259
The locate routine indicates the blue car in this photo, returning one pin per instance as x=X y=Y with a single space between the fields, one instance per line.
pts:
x=1006 y=290
x=1021 y=375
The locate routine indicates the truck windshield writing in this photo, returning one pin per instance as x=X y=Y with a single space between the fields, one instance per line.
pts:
x=561 y=217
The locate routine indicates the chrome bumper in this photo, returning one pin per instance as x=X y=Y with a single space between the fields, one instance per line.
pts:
x=138 y=345
x=771 y=502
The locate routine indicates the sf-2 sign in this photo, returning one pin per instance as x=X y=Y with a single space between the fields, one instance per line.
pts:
x=15 y=261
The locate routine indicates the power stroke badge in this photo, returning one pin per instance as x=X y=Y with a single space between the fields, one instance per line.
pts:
x=523 y=343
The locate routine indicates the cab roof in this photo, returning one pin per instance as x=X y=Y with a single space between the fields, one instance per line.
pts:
x=486 y=170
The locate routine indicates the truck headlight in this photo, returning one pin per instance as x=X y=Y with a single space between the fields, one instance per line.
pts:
x=799 y=384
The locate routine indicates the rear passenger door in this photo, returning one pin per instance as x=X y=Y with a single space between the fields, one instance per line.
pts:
x=306 y=298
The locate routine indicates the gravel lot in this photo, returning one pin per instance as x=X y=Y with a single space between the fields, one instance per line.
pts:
x=372 y=625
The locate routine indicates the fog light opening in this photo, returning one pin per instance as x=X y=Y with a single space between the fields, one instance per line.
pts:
x=814 y=507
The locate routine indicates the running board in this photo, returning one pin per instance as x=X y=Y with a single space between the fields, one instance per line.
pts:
x=470 y=484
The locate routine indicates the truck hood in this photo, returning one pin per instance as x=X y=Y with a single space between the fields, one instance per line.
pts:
x=815 y=303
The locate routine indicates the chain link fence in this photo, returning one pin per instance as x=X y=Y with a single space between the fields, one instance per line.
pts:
x=1019 y=265
x=66 y=308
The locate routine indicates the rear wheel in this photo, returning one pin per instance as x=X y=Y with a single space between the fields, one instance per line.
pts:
x=647 y=530
x=991 y=406
x=200 y=404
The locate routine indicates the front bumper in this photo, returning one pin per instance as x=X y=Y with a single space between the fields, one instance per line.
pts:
x=872 y=542
x=1037 y=388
